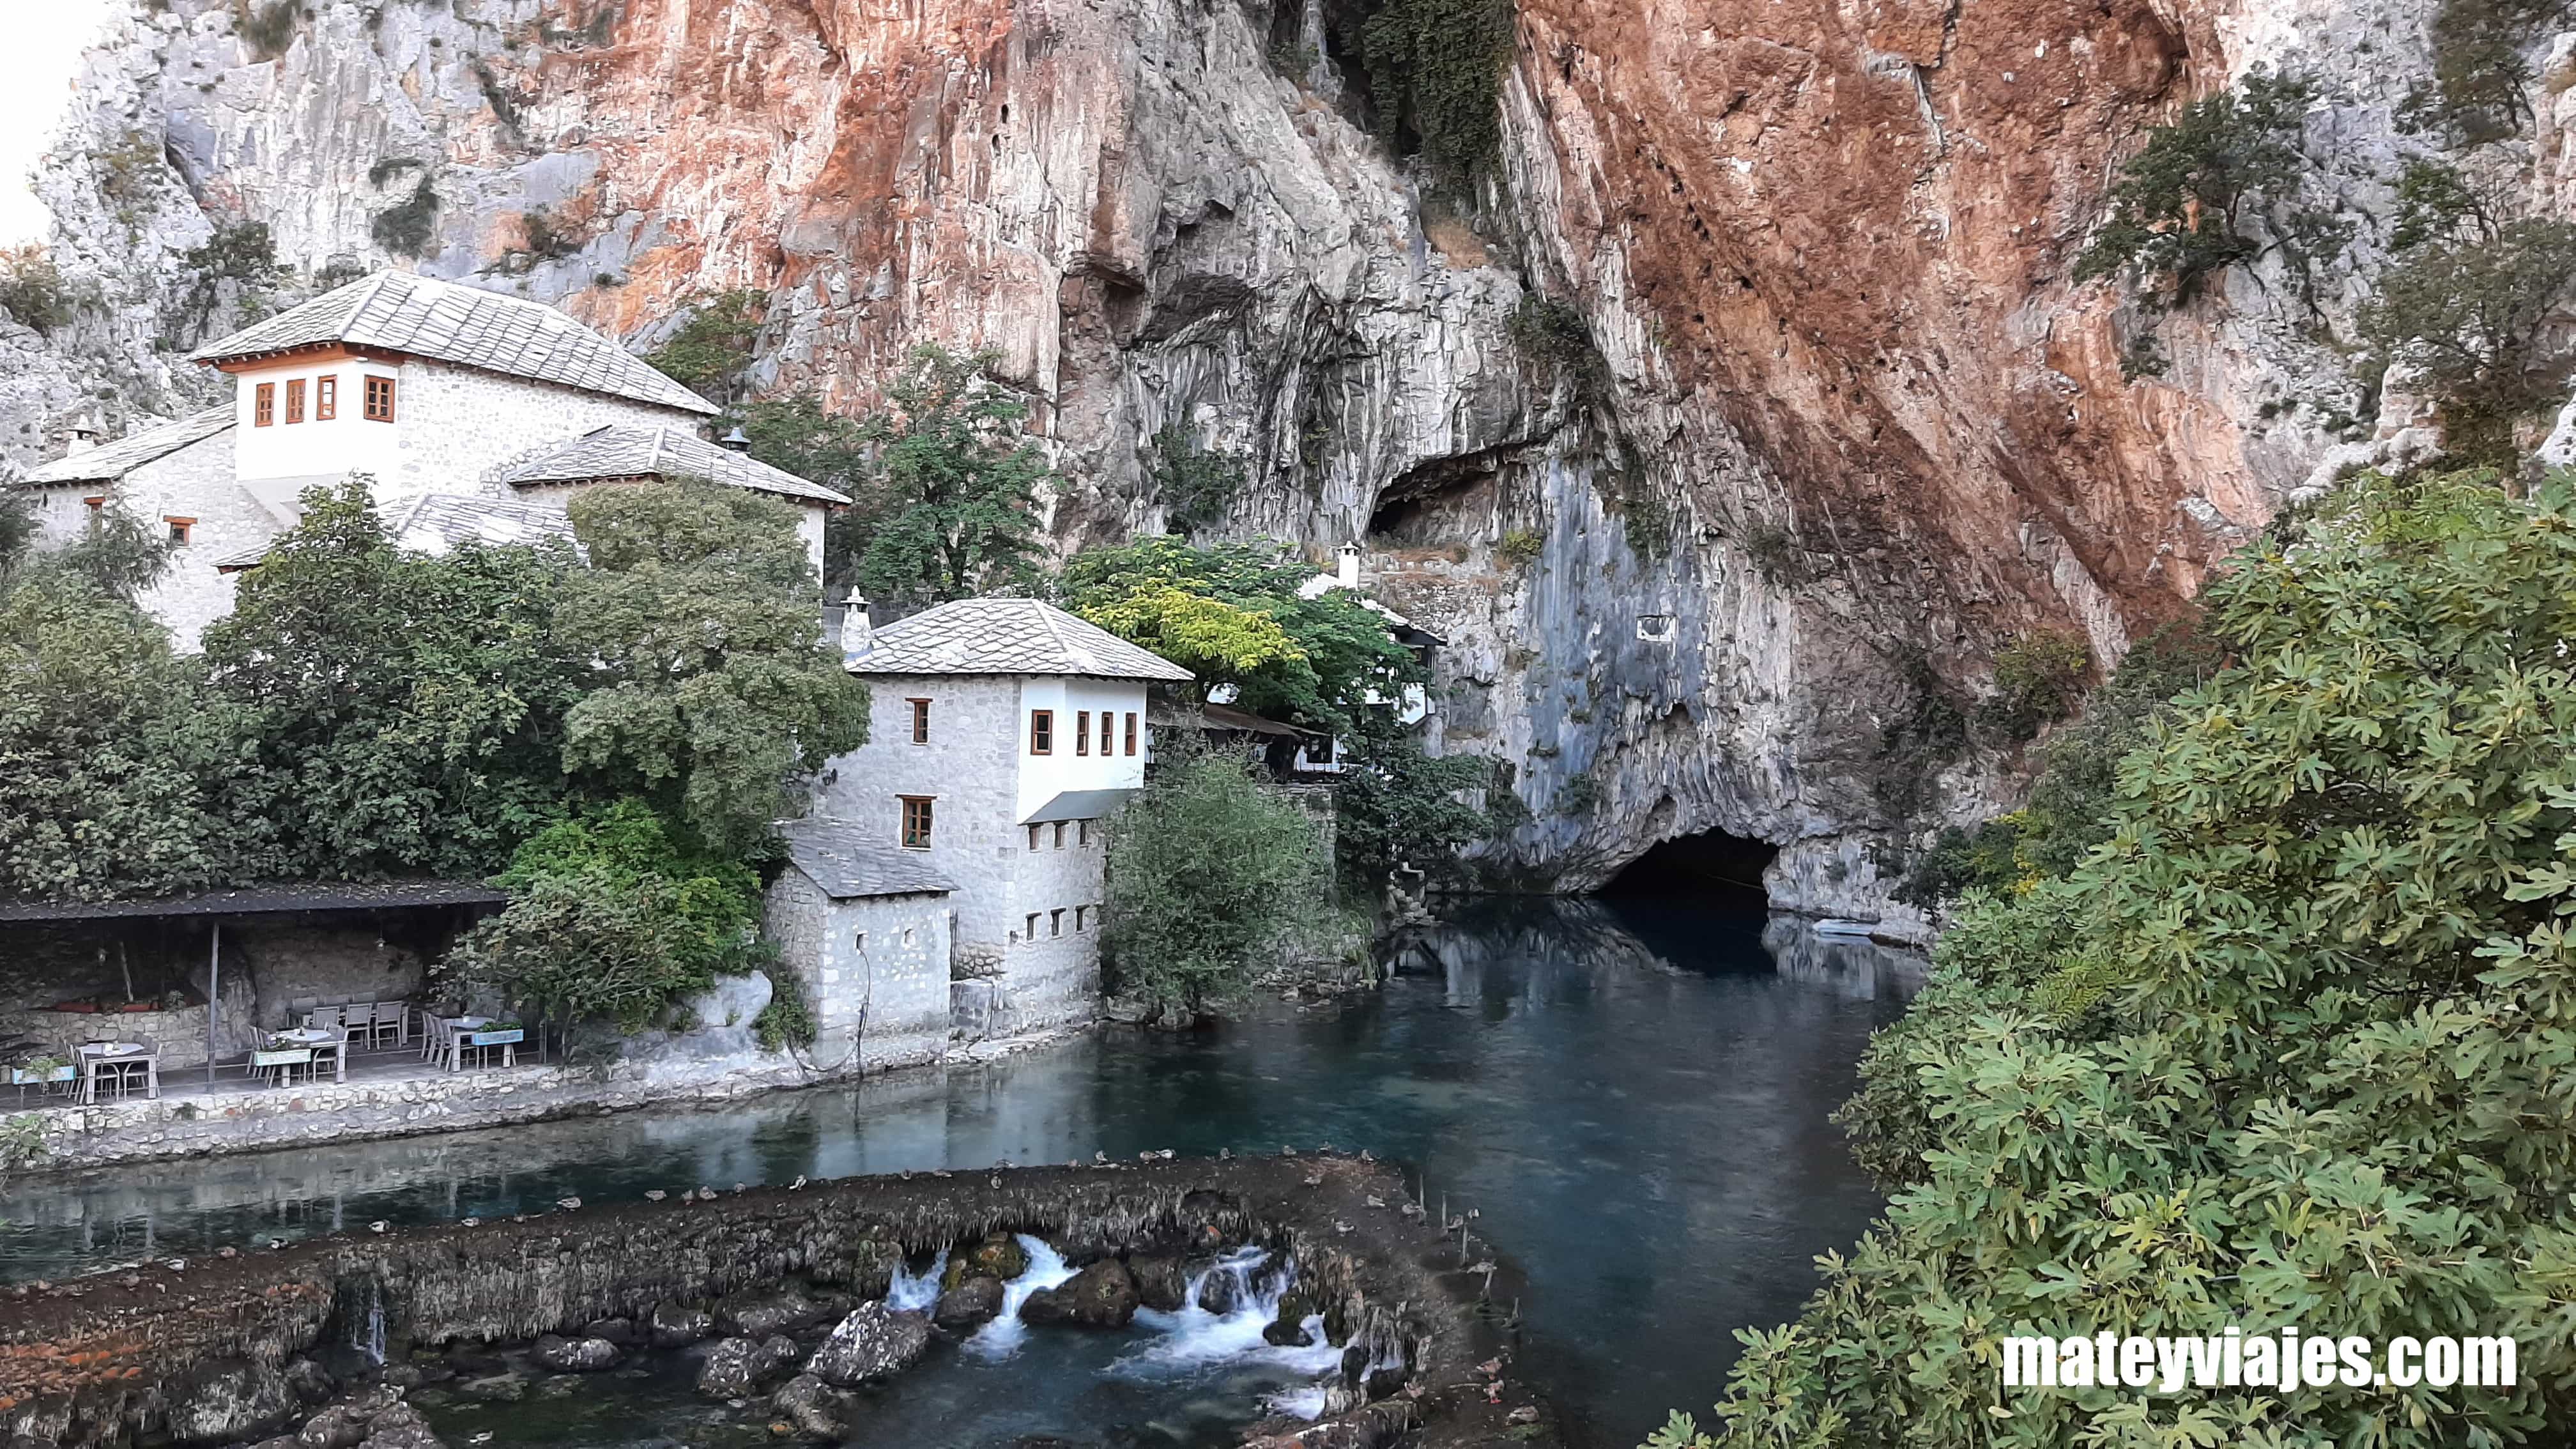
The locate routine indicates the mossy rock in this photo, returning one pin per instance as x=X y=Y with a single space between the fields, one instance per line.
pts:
x=998 y=1256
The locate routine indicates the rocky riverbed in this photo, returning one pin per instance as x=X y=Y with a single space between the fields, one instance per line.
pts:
x=790 y=1305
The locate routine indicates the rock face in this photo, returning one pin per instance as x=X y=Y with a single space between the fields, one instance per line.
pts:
x=871 y=1343
x=1850 y=426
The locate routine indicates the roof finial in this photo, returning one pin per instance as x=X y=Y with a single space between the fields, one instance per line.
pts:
x=737 y=440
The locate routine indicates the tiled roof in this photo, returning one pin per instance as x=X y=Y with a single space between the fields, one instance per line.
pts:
x=1007 y=636
x=114 y=461
x=1078 y=805
x=618 y=452
x=265 y=900
x=452 y=322
x=436 y=523
x=848 y=860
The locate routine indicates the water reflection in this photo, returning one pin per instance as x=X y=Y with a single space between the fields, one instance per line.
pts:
x=1634 y=1097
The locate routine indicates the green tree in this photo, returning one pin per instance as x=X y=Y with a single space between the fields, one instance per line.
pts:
x=1194 y=484
x=115 y=759
x=710 y=689
x=1435 y=75
x=2289 y=1047
x=410 y=711
x=709 y=352
x=1401 y=806
x=618 y=915
x=1211 y=871
x=954 y=506
x=2466 y=311
x=2179 y=212
x=1337 y=652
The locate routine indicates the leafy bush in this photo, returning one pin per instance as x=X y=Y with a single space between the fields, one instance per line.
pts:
x=267 y=28
x=2038 y=679
x=1435 y=75
x=1519 y=548
x=2285 y=1050
x=711 y=349
x=955 y=499
x=2179 y=210
x=788 y=1019
x=1556 y=339
x=1915 y=742
x=1400 y=806
x=1776 y=554
x=617 y=916
x=1962 y=858
x=33 y=291
x=405 y=228
x=1210 y=868
x=2466 y=311
x=1195 y=485
x=2481 y=82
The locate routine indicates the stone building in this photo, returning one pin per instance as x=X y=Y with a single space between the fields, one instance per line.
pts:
x=864 y=925
x=426 y=387
x=1003 y=734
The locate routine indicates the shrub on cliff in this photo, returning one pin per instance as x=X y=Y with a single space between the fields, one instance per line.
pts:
x=710 y=349
x=2179 y=212
x=2465 y=309
x=32 y=289
x=1212 y=872
x=1435 y=76
x=2289 y=1048
x=954 y=500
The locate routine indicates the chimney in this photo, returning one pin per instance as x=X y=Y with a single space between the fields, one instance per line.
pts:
x=84 y=436
x=1349 y=577
x=858 y=635
x=736 y=441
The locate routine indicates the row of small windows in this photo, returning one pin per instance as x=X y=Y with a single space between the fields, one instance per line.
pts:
x=1082 y=833
x=1084 y=918
x=179 y=527
x=378 y=403
x=1042 y=732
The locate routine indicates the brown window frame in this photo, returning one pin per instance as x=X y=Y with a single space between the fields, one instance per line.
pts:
x=1131 y=731
x=263 y=405
x=920 y=720
x=295 y=400
x=326 y=397
x=378 y=404
x=918 y=820
x=1082 y=732
x=179 y=528
x=1041 y=732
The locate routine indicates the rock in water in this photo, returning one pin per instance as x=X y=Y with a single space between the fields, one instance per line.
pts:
x=1288 y=1330
x=675 y=1326
x=574 y=1355
x=1160 y=1282
x=739 y=1366
x=969 y=1305
x=872 y=1343
x=758 y=1315
x=400 y=1427
x=1100 y=1296
x=809 y=1404
x=998 y=1256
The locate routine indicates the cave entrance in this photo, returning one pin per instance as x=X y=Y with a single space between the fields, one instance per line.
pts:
x=1713 y=867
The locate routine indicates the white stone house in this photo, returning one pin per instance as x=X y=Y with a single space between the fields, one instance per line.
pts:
x=427 y=387
x=864 y=926
x=1003 y=735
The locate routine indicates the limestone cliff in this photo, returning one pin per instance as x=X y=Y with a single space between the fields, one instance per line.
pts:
x=1829 y=424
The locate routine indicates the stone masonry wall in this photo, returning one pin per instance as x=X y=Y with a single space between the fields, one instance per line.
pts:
x=459 y=424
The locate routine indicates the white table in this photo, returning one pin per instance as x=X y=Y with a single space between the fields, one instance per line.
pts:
x=461 y=1034
x=304 y=1047
x=116 y=1059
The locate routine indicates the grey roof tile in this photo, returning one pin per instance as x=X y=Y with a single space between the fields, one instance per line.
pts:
x=115 y=460
x=1007 y=636
x=437 y=523
x=622 y=452
x=452 y=322
x=848 y=860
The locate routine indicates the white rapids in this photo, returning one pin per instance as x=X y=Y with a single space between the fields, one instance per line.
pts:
x=1193 y=1339
x=1002 y=1337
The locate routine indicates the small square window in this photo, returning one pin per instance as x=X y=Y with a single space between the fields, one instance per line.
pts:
x=916 y=821
x=263 y=405
x=920 y=721
x=179 y=530
x=1031 y=933
x=380 y=400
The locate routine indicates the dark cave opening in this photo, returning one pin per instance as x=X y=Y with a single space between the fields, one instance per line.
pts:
x=1713 y=867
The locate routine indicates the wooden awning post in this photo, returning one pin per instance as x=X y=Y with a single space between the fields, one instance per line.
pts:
x=214 y=998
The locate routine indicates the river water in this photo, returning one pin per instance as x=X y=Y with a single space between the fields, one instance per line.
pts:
x=1632 y=1096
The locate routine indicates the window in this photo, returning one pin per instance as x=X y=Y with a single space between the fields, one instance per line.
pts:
x=326 y=398
x=1077 y=918
x=380 y=400
x=920 y=721
x=1108 y=723
x=1055 y=921
x=1033 y=835
x=1031 y=933
x=1131 y=731
x=1041 y=732
x=94 y=504
x=179 y=530
x=295 y=400
x=1082 y=733
x=1059 y=835
x=916 y=821
x=907 y=935
x=860 y=941
x=263 y=405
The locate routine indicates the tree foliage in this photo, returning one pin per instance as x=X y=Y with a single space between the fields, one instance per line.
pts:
x=709 y=352
x=2290 y=1047
x=955 y=502
x=2179 y=212
x=2465 y=310
x=1193 y=483
x=616 y=916
x=1435 y=74
x=710 y=688
x=409 y=709
x=1210 y=871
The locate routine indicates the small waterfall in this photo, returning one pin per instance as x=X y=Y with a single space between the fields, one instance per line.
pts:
x=371 y=1340
x=1002 y=1337
x=908 y=1294
x=358 y=1312
x=1251 y=1283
